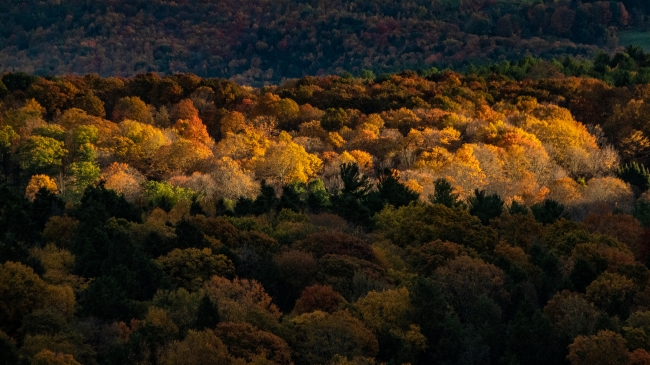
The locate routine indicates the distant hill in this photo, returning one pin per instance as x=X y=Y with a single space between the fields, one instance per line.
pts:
x=265 y=41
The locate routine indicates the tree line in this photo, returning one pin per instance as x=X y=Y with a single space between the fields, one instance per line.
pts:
x=257 y=42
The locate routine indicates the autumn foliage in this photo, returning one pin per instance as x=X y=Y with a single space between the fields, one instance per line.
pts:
x=497 y=216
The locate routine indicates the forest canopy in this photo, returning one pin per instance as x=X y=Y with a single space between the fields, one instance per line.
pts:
x=496 y=216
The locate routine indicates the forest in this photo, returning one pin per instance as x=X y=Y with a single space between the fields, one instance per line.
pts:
x=495 y=216
x=264 y=42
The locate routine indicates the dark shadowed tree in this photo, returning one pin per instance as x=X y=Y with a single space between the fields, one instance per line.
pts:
x=485 y=207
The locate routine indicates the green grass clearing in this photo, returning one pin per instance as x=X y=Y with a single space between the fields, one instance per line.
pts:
x=632 y=37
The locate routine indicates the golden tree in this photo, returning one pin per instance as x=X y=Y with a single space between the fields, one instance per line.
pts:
x=38 y=182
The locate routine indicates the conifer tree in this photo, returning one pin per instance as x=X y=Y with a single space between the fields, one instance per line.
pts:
x=444 y=194
x=485 y=207
x=548 y=211
x=635 y=174
x=207 y=315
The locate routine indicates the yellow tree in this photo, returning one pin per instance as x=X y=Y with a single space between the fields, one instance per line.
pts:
x=38 y=182
x=557 y=129
x=611 y=191
x=246 y=147
x=285 y=161
x=21 y=118
x=138 y=141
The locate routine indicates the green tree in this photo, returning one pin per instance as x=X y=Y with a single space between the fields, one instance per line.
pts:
x=320 y=336
x=8 y=140
x=318 y=198
x=84 y=173
x=351 y=201
x=443 y=193
x=41 y=154
x=191 y=267
x=85 y=134
x=517 y=208
x=21 y=292
x=636 y=330
x=334 y=119
x=91 y=104
x=531 y=340
x=390 y=191
x=485 y=207
x=266 y=201
x=415 y=225
x=8 y=350
x=549 y=211
x=635 y=174
x=207 y=315
x=50 y=130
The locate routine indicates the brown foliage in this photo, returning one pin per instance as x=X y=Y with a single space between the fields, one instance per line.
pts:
x=247 y=342
x=604 y=348
x=339 y=243
x=318 y=297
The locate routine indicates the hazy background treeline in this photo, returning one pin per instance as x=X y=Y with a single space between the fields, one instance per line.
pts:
x=265 y=41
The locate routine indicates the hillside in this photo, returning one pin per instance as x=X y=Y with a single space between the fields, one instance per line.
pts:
x=299 y=182
x=255 y=42
x=497 y=217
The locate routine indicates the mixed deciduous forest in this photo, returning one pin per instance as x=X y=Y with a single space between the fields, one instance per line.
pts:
x=497 y=216
x=257 y=42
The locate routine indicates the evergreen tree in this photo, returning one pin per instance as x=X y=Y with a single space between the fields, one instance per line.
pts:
x=188 y=235
x=532 y=340
x=355 y=184
x=45 y=205
x=390 y=191
x=518 y=208
x=196 y=208
x=351 y=202
x=444 y=194
x=548 y=211
x=266 y=201
x=207 y=315
x=244 y=207
x=635 y=174
x=642 y=213
x=292 y=197
x=318 y=199
x=485 y=207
